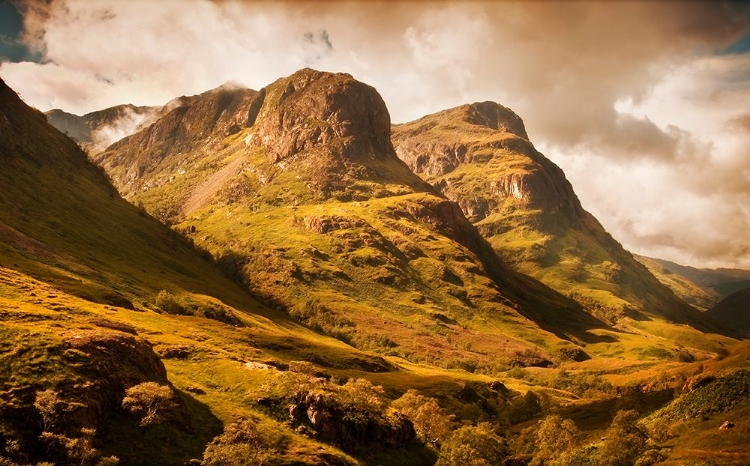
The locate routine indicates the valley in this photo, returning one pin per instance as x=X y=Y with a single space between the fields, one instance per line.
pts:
x=302 y=282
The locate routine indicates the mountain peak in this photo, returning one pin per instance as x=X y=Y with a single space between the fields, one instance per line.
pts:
x=495 y=116
x=313 y=109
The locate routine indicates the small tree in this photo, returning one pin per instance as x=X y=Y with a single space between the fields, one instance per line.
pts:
x=624 y=441
x=555 y=436
x=241 y=444
x=473 y=446
x=430 y=420
x=48 y=403
x=362 y=395
x=150 y=401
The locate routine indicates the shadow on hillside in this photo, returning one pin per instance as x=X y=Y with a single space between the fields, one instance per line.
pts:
x=562 y=316
x=162 y=444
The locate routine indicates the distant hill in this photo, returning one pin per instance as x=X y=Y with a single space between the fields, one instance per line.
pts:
x=723 y=281
x=697 y=296
x=734 y=310
x=97 y=130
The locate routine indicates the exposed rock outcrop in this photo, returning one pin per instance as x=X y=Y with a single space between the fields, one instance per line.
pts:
x=111 y=362
x=347 y=429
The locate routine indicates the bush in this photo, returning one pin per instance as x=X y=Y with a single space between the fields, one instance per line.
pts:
x=555 y=436
x=151 y=402
x=242 y=444
x=473 y=446
x=624 y=441
x=48 y=403
x=167 y=303
x=430 y=421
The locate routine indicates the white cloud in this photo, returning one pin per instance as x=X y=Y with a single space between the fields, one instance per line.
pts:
x=650 y=126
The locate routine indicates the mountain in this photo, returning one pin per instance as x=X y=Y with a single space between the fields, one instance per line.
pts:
x=297 y=189
x=121 y=342
x=734 y=310
x=97 y=130
x=697 y=296
x=480 y=156
x=722 y=281
x=97 y=297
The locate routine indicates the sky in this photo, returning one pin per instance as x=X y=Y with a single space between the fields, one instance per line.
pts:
x=645 y=106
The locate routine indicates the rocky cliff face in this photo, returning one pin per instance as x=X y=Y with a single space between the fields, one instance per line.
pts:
x=311 y=109
x=479 y=156
x=437 y=145
x=336 y=130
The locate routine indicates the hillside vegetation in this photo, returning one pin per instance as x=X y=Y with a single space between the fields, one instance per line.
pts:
x=479 y=155
x=314 y=303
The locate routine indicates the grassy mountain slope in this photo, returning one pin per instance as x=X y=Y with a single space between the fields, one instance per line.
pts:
x=310 y=206
x=734 y=310
x=479 y=155
x=80 y=270
x=697 y=296
x=722 y=281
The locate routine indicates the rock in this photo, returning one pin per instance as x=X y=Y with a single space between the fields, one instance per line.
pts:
x=106 y=323
x=727 y=425
x=330 y=423
x=259 y=366
x=111 y=362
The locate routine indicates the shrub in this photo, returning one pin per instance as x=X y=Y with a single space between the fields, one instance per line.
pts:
x=473 y=446
x=150 y=401
x=430 y=421
x=167 y=303
x=48 y=404
x=624 y=441
x=241 y=444
x=555 y=436
x=361 y=395
x=78 y=450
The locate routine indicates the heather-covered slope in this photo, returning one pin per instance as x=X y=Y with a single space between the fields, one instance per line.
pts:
x=697 y=296
x=479 y=155
x=734 y=311
x=308 y=203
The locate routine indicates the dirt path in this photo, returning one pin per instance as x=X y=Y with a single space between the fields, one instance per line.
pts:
x=203 y=192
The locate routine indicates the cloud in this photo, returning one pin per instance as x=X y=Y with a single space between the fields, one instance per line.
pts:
x=631 y=99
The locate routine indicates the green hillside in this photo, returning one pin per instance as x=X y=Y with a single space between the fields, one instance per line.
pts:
x=697 y=296
x=337 y=310
x=479 y=155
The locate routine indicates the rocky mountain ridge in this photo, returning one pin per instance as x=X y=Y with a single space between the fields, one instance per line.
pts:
x=316 y=163
x=96 y=130
x=479 y=156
